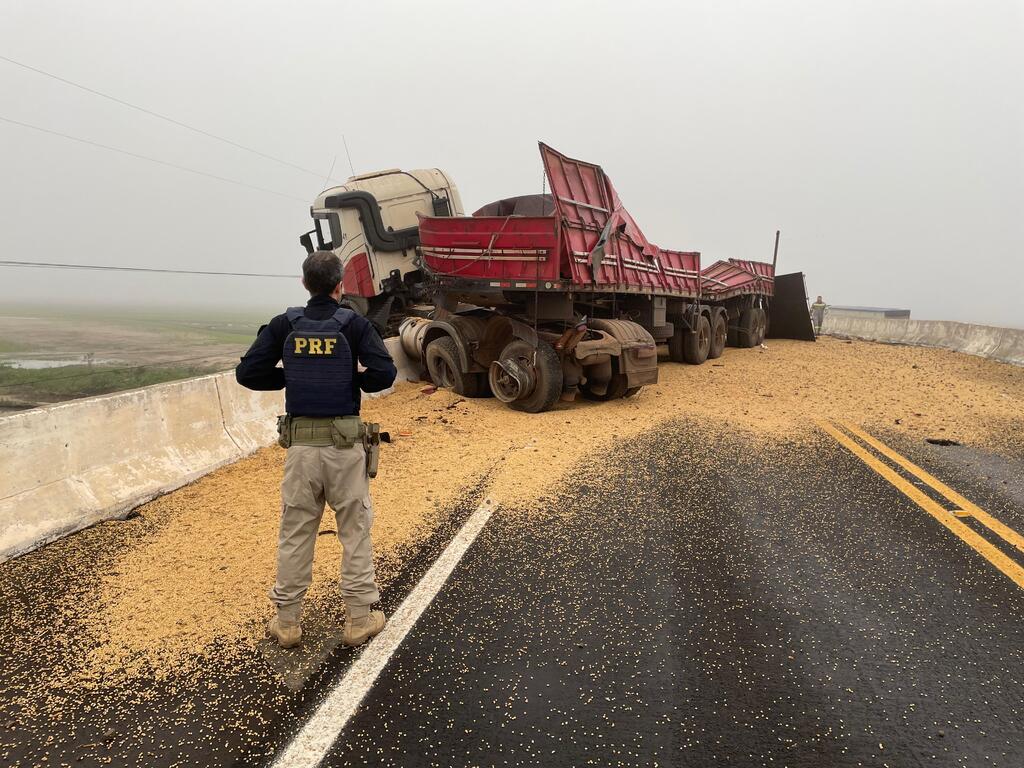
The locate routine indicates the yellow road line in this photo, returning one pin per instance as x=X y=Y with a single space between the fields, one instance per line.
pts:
x=973 y=539
x=1003 y=531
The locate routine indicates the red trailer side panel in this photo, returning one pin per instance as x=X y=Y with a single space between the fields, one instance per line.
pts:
x=590 y=208
x=491 y=247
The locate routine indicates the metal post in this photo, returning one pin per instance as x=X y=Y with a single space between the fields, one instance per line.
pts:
x=775 y=256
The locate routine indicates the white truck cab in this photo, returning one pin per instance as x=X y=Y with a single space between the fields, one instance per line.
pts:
x=371 y=222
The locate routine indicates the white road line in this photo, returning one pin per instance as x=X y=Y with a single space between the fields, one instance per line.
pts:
x=310 y=745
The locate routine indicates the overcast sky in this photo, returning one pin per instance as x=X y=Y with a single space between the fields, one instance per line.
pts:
x=885 y=138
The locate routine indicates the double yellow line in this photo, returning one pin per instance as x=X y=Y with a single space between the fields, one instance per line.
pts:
x=953 y=520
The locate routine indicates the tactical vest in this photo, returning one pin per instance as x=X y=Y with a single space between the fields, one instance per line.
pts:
x=318 y=365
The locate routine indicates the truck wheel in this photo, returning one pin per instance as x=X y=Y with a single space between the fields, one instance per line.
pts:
x=697 y=344
x=675 y=343
x=445 y=371
x=719 y=333
x=732 y=333
x=544 y=369
x=760 y=326
x=746 y=334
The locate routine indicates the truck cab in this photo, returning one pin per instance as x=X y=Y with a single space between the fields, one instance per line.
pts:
x=372 y=223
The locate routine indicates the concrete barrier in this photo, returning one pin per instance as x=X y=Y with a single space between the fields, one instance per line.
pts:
x=68 y=466
x=1004 y=344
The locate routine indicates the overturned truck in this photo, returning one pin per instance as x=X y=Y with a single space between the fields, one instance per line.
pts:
x=546 y=297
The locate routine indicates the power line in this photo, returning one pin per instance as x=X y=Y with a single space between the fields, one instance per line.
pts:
x=150 y=159
x=114 y=369
x=150 y=112
x=112 y=268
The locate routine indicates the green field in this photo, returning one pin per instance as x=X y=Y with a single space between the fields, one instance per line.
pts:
x=69 y=382
x=132 y=347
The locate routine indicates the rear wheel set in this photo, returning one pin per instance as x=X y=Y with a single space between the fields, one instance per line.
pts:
x=692 y=346
x=753 y=327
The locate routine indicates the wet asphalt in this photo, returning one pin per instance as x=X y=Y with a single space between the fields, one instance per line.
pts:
x=687 y=604
x=691 y=599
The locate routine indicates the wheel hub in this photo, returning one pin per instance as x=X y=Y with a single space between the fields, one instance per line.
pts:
x=511 y=379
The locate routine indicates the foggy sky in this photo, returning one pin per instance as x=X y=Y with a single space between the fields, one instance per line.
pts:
x=885 y=138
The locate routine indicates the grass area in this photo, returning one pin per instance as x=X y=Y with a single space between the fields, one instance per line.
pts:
x=138 y=346
x=10 y=346
x=190 y=325
x=54 y=384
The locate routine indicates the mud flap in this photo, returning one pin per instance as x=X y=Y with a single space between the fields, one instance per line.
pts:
x=790 y=317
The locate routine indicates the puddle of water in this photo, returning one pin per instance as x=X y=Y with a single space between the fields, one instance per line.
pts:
x=35 y=364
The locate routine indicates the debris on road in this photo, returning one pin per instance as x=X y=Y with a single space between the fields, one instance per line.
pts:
x=142 y=617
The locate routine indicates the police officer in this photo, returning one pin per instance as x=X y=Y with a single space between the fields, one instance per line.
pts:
x=328 y=447
x=818 y=314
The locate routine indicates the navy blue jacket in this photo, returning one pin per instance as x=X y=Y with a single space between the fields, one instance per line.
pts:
x=258 y=367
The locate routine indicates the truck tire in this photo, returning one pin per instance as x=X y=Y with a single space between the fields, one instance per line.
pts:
x=697 y=344
x=746 y=335
x=445 y=370
x=719 y=334
x=547 y=372
x=732 y=333
x=675 y=343
x=753 y=323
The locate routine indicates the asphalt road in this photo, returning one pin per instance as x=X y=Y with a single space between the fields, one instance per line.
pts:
x=695 y=605
x=693 y=599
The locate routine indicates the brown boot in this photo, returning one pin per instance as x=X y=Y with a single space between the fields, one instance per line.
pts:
x=360 y=628
x=285 y=626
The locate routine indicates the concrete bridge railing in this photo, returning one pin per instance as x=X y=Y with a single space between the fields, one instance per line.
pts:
x=1004 y=344
x=68 y=466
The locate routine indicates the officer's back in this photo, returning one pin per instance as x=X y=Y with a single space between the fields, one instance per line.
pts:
x=331 y=453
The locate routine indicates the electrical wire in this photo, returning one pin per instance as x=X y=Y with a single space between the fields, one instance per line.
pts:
x=158 y=115
x=115 y=369
x=111 y=268
x=150 y=159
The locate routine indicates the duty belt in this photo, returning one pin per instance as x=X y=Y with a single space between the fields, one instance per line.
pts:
x=339 y=431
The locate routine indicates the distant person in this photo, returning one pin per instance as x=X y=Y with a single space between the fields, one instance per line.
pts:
x=818 y=314
x=329 y=448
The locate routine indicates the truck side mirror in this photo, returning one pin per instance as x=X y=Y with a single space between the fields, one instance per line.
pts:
x=306 y=241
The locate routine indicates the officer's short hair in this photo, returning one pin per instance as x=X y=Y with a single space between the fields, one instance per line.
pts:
x=321 y=272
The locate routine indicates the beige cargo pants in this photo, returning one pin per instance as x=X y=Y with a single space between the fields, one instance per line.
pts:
x=314 y=475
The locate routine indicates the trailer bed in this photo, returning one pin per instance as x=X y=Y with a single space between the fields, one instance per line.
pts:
x=588 y=242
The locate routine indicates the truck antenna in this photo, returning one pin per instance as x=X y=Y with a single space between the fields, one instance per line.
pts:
x=328 y=176
x=775 y=256
x=348 y=155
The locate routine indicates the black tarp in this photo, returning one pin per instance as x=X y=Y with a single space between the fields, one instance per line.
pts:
x=524 y=205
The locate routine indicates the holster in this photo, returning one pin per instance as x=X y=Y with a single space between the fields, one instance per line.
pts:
x=284 y=431
x=371 y=442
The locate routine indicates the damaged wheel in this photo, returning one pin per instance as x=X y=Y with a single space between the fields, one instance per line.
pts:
x=527 y=378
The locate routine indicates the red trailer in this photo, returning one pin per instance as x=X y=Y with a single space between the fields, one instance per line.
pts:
x=546 y=296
